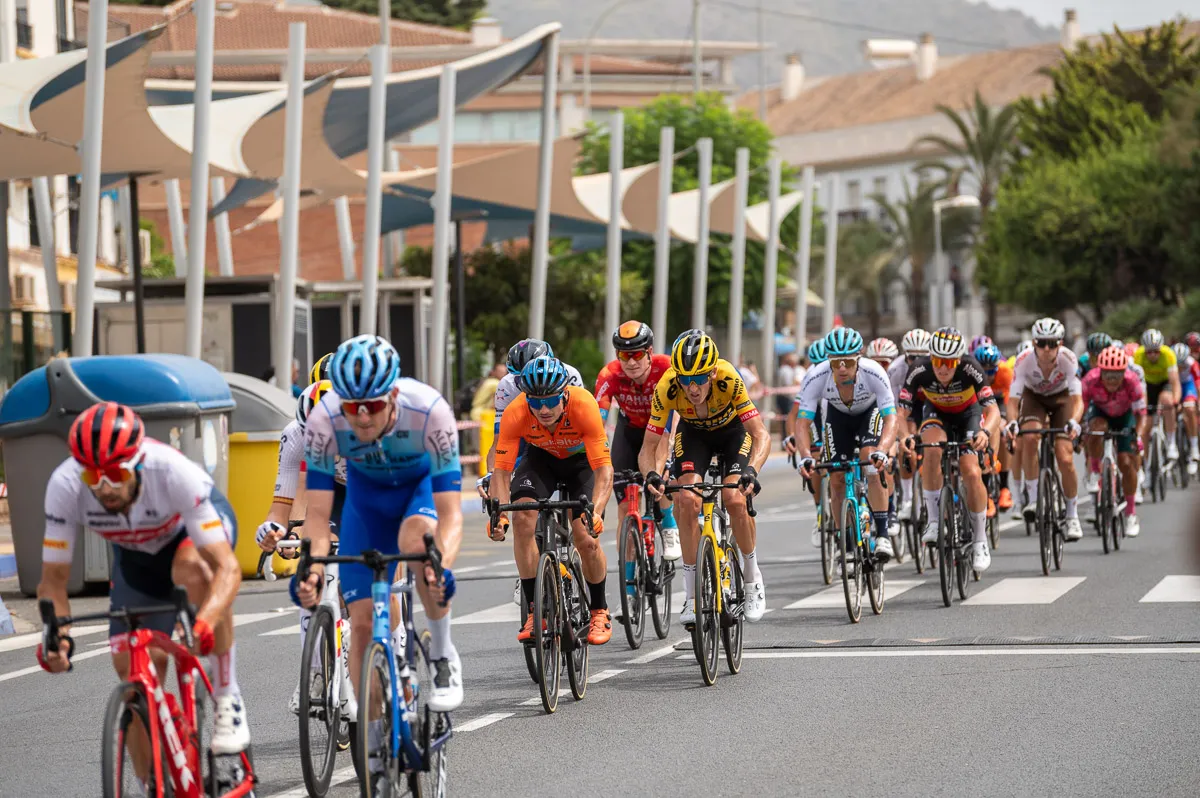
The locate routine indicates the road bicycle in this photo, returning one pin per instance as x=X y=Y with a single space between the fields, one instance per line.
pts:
x=181 y=763
x=991 y=482
x=895 y=528
x=1157 y=464
x=862 y=572
x=1109 y=507
x=954 y=537
x=1051 y=518
x=645 y=575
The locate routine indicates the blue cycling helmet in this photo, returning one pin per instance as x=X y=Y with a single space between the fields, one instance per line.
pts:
x=543 y=376
x=988 y=355
x=816 y=352
x=843 y=342
x=524 y=351
x=364 y=367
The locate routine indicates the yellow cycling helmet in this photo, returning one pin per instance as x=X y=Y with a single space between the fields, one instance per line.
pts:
x=310 y=398
x=694 y=352
x=320 y=369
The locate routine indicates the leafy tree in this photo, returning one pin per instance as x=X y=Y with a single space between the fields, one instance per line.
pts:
x=162 y=263
x=445 y=13
x=866 y=266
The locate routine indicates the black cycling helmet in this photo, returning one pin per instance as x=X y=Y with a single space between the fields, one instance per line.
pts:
x=1097 y=342
x=632 y=336
x=524 y=351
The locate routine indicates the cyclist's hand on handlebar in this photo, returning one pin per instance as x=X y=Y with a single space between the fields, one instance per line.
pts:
x=880 y=460
x=1013 y=429
x=597 y=525
x=309 y=590
x=441 y=592
x=57 y=661
x=980 y=440
x=789 y=443
x=655 y=484
x=202 y=638
x=498 y=527
x=807 y=465
x=268 y=534
x=1073 y=428
x=748 y=483
x=483 y=485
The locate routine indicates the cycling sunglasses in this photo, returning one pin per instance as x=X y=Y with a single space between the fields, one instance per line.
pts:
x=944 y=362
x=540 y=402
x=635 y=355
x=693 y=379
x=115 y=475
x=842 y=362
x=992 y=372
x=1047 y=343
x=369 y=406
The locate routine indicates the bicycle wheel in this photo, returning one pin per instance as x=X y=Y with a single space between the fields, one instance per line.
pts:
x=962 y=549
x=852 y=583
x=1045 y=518
x=896 y=533
x=916 y=528
x=663 y=573
x=547 y=639
x=575 y=622
x=1181 y=443
x=377 y=695
x=874 y=581
x=128 y=714
x=993 y=523
x=705 y=638
x=734 y=620
x=530 y=661
x=1154 y=467
x=1104 y=503
x=945 y=544
x=829 y=548
x=631 y=567
x=428 y=727
x=1118 y=530
x=319 y=718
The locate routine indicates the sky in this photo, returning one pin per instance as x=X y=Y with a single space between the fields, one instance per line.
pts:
x=1101 y=15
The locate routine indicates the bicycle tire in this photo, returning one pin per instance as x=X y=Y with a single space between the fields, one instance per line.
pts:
x=945 y=545
x=376 y=680
x=530 y=661
x=828 y=533
x=733 y=625
x=1155 y=467
x=851 y=561
x=433 y=782
x=126 y=703
x=993 y=523
x=1181 y=443
x=916 y=528
x=962 y=563
x=705 y=637
x=547 y=640
x=576 y=622
x=1045 y=518
x=1104 y=505
x=1118 y=530
x=632 y=570
x=875 y=579
x=316 y=761
x=663 y=572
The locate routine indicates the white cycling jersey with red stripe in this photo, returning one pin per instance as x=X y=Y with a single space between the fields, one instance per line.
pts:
x=174 y=496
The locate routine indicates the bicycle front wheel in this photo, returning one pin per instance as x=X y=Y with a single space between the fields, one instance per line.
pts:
x=734 y=620
x=576 y=621
x=1045 y=518
x=829 y=549
x=631 y=566
x=547 y=640
x=946 y=544
x=706 y=630
x=376 y=697
x=319 y=718
x=1104 y=503
x=852 y=566
x=962 y=557
x=127 y=717
x=663 y=573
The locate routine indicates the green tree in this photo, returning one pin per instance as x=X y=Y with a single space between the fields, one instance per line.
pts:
x=162 y=263
x=866 y=266
x=444 y=13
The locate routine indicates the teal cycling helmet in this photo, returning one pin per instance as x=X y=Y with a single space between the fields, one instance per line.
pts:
x=543 y=376
x=843 y=342
x=364 y=367
x=816 y=352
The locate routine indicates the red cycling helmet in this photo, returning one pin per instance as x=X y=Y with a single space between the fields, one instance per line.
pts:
x=1192 y=339
x=105 y=435
x=1112 y=358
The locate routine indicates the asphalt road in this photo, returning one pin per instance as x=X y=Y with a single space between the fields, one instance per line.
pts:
x=1083 y=683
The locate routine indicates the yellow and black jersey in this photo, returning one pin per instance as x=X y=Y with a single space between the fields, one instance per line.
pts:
x=727 y=402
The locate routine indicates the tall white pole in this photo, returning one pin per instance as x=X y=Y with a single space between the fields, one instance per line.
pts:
x=541 y=215
x=737 y=278
x=341 y=207
x=177 y=226
x=45 y=230
x=441 y=225
x=804 y=258
x=368 y=321
x=198 y=209
x=700 y=267
x=221 y=226
x=771 y=269
x=385 y=24
x=937 y=313
x=89 y=190
x=696 y=81
x=831 y=237
x=293 y=137
x=616 y=162
x=662 y=234
x=106 y=249
x=393 y=242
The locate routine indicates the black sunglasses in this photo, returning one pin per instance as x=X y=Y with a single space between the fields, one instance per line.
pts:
x=1048 y=343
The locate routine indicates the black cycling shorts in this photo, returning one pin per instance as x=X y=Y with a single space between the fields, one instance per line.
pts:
x=959 y=427
x=844 y=433
x=626 y=445
x=1153 y=391
x=695 y=449
x=539 y=474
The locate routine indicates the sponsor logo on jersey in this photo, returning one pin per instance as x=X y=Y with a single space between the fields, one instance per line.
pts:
x=61 y=545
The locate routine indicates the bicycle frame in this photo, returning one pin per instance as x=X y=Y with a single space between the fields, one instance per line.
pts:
x=854 y=489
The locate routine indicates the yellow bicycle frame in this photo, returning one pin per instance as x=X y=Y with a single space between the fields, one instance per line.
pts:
x=723 y=572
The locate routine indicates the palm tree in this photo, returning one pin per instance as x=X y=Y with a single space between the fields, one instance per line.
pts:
x=866 y=265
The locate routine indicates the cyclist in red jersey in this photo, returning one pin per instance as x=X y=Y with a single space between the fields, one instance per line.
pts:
x=630 y=380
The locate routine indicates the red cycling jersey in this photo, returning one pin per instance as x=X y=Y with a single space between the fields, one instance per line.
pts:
x=634 y=399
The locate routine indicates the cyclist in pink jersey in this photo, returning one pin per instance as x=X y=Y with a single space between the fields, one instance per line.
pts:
x=1116 y=401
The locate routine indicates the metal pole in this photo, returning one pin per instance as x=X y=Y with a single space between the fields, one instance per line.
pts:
x=45 y=228
x=441 y=221
x=935 y=296
x=368 y=321
x=106 y=247
x=393 y=246
x=662 y=233
x=221 y=225
x=135 y=268
x=541 y=216
x=385 y=23
x=737 y=278
x=341 y=207
x=289 y=184
x=460 y=307
x=696 y=79
x=8 y=52
x=89 y=190
x=831 y=237
x=700 y=267
x=587 y=79
x=771 y=269
x=198 y=205
x=126 y=223
x=762 y=68
x=804 y=258
x=616 y=162
x=177 y=226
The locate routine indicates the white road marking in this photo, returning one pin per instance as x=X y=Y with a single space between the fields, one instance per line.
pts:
x=287 y=630
x=339 y=777
x=563 y=691
x=486 y=720
x=253 y=617
x=833 y=597
x=962 y=652
x=31 y=640
x=501 y=613
x=1026 y=590
x=1174 y=589
x=4 y=677
x=658 y=653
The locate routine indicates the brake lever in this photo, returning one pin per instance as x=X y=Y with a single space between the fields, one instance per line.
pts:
x=50 y=637
x=185 y=614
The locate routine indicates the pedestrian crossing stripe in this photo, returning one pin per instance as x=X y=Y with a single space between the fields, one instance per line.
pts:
x=1031 y=590
x=1176 y=588
x=835 y=597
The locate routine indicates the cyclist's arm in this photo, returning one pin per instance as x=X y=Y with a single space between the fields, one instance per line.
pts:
x=595 y=442
x=804 y=437
x=320 y=458
x=58 y=545
x=1176 y=386
x=664 y=445
x=656 y=427
x=441 y=442
x=508 y=444
x=760 y=438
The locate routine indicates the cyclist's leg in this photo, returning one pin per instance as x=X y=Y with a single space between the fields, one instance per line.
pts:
x=533 y=479
x=1032 y=414
x=1189 y=418
x=580 y=480
x=932 y=431
x=1166 y=404
x=1127 y=461
x=870 y=429
x=1094 y=420
x=733 y=443
x=193 y=569
x=1059 y=406
x=966 y=425
x=1153 y=395
x=626 y=444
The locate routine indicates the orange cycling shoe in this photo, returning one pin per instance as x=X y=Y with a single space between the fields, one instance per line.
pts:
x=991 y=508
x=1005 y=499
x=601 y=629
x=526 y=632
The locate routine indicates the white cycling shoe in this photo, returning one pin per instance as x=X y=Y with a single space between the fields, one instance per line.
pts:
x=1029 y=512
x=294 y=704
x=981 y=556
x=756 y=601
x=231 y=734
x=1133 y=527
x=687 y=613
x=1172 y=450
x=905 y=509
x=1074 y=530
x=671 y=548
x=931 y=533
x=816 y=536
x=447 y=683
x=883 y=548
x=1093 y=483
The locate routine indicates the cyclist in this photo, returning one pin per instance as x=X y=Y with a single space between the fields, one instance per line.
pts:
x=1116 y=401
x=1188 y=368
x=978 y=341
x=816 y=356
x=1162 y=372
x=320 y=369
x=1046 y=393
x=1192 y=339
x=1097 y=342
x=567 y=444
x=399 y=441
x=883 y=351
x=521 y=354
x=716 y=418
x=998 y=376
x=956 y=404
x=630 y=380
x=168 y=525
x=916 y=346
x=860 y=414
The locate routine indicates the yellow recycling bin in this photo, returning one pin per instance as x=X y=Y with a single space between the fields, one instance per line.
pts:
x=487 y=421
x=253 y=459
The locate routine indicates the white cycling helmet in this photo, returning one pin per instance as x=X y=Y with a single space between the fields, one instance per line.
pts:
x=882 y=349
x=947 y=342
x=1048 y=330
x=1152 y=339
x=1182 y=353
x=916 y=342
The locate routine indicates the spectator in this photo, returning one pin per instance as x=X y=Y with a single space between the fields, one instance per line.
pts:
x=485 y=395
x=297 y=387
x=791 y=374
x=749 y=373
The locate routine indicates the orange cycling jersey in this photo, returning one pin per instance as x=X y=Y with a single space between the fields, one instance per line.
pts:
x=580 y=429
x=1002 y=382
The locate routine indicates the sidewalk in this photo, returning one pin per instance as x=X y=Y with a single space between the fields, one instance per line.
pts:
x=8 y=563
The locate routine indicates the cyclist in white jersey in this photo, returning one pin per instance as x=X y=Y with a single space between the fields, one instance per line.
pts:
x=915 y=345
x=168 y=526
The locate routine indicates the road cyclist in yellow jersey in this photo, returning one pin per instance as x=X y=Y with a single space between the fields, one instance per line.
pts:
x=716 y=419
x=1162 y=373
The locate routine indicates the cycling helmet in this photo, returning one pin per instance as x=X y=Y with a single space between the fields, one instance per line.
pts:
x=524 y=351
x=1192 y=339
x=1112 y=358
x=916 y=342
x=988 y=355
x=1048 y=329
x=843 y=342
x=1098 y=342
x=105 y=435
x=632 y=336
x=1152 y=339
x=309 y=399
x=1182 y=353
x=1131 y=349
x=320 y=369
x=543 y=376
x=1024 y=346
x=364 y=367
x=947 y=342
x=694 y=352
x=816 y=352
x=882 y=348
x=978 y=341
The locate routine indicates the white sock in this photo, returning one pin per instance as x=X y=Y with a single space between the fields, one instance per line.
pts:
x=750 y=570
x=1195 y=443
x=933 y=502
x=689 y=582
x=979 y=527
x=1031 y=487
x=440 y=646
x=223 y=672
x=1072 y=508
x=908 y=487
